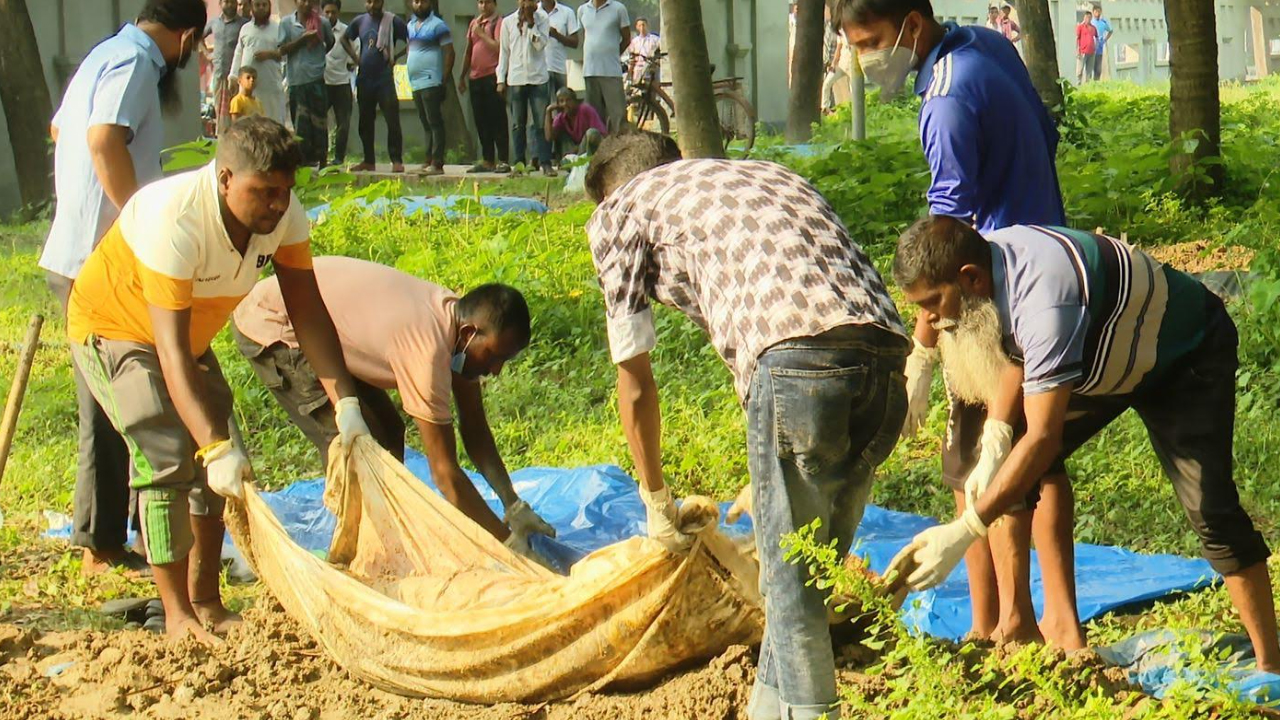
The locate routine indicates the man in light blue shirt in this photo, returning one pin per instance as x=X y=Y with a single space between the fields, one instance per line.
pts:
x=1104 y=33
x=431 y=57
x=307 y=37
x=108 y=133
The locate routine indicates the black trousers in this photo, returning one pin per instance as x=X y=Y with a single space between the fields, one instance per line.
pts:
x=430 y=104
x=370 y=100
x=101 y=501
x=489 y=111
x=339 y=103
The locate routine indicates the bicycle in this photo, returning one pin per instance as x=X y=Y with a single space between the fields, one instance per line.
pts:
x=650 y=107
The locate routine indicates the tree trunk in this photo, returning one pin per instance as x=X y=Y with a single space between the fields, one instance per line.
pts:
x=25 y=98
x=804 y=106
x=1193 y=94
x=697 y=123
x=1040 y=51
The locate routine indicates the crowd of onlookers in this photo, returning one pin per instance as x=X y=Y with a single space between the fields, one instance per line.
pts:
x=308 y=66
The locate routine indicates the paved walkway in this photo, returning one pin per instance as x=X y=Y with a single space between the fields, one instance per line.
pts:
x=452 y=174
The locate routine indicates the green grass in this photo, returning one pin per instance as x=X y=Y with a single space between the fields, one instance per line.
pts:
x=554 y=406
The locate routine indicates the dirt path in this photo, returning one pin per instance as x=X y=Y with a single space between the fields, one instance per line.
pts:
x=269 y=670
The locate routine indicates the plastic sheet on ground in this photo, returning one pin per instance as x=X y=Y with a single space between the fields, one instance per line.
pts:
x=452 y=205
x=592 y=507
x=1157 y=661
x=417 y=599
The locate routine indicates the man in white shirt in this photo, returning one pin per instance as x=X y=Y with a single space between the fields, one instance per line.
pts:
x=338 y=69
x=563 y=27
x=522 y=76
x=259 y=48
x=606 y=33
x=642 y=50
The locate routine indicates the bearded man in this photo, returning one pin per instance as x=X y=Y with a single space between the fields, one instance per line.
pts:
x=1097 y=327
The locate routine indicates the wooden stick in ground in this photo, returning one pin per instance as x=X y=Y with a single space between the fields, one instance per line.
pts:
x=19 y=388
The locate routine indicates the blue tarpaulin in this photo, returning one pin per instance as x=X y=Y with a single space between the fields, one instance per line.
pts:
x=1156 y=661
x=592 y=507
x=414 y=204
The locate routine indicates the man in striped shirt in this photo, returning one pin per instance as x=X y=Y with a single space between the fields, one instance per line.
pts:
x=990 y=143
x=1097 y=327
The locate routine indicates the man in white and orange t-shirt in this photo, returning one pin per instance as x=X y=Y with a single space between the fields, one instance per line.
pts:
x=141 y=316
x=400 y=332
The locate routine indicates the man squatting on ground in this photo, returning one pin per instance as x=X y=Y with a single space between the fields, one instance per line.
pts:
x=1090 y=328
x=755 y=256
x=400 y=332
x=142 y=314
x=990 y=144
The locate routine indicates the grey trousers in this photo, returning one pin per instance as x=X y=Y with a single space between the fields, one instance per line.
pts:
x=606 y=96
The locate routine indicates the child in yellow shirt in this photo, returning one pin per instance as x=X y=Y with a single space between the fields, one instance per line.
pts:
x=245 y=104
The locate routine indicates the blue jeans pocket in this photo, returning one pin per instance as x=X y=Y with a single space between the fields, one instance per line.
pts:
x=812 y=414
x=885 y=438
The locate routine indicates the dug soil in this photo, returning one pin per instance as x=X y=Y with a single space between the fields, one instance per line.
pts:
x=1200 y=256
x=269 y=669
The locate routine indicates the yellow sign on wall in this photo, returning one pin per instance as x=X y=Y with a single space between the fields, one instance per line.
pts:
x=403 y=91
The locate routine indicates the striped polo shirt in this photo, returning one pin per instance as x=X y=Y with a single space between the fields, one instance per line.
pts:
x=1090 y=310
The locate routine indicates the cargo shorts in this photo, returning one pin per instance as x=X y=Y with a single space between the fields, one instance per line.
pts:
x=126 y=380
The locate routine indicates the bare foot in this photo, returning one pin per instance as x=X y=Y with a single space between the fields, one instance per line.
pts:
x=217 y=617
x=1066 y=635
x=191 y=627
x=96 y=562
x=1021 y=633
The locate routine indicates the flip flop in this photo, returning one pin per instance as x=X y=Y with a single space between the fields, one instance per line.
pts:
x=155 y=625
x=130 y=609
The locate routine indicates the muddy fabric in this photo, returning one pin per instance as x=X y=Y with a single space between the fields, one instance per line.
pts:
x=418 y=599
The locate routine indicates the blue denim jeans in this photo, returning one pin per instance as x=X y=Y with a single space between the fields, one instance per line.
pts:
x=527 y=107
x=823 y=412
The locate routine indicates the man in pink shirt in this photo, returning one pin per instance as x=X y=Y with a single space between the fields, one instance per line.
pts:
x=400 y=332
x=480 y=72
x=573 y=119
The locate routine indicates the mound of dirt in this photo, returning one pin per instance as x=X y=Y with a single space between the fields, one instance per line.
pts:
x=269 y=669
x=1202 y=256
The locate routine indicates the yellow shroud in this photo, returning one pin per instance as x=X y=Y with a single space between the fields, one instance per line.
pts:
x=419 y=600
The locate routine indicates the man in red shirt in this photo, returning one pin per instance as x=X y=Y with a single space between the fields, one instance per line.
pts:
x=1086 y=47
x=570 y=117
x=480 y=73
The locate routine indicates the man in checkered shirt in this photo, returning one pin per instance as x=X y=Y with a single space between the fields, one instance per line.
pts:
x=756 y=257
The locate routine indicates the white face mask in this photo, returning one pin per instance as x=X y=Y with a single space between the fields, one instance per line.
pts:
x=888 y=67
x=459 y=358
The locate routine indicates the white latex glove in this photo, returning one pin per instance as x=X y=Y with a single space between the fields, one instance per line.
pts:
x=523 y=521
x=227 y=469
x=351 y=423
x=996 y=442
x=519 y=544
x=919 y=374
x=935 y=552
x=662 y=514
x=742 y=505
